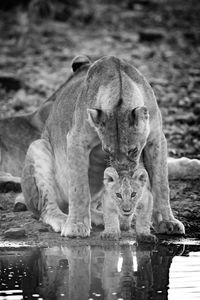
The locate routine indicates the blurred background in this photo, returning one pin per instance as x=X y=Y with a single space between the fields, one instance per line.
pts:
x=39 y=38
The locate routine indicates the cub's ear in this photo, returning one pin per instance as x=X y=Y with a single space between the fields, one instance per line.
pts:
x=79 y=61
x=137 y=115
x=94 y=116
x=110 y=175
x=141 y=175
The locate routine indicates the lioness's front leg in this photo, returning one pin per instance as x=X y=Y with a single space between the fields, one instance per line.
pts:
x=155 y=159
x=39 y=186
x=79 y=219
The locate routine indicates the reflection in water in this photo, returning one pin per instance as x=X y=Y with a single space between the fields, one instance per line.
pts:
x=114 y=272
x=185 y=277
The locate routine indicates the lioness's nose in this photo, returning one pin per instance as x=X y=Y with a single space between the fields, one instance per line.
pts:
x=121 y=160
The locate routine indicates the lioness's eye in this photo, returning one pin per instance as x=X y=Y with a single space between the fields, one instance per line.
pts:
x=119 y=195
x=133 y=194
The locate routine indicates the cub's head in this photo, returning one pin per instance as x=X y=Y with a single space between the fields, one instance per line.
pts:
x=123 y=134
x=125 y=190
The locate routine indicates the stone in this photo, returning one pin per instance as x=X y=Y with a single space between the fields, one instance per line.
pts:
x=196 y=109
x=188 y=118
x=9 y=82
x=6 y=187
x=19 y=207
x=9 y=183
x=43 y=229
x=15 y=233
x=151 y=35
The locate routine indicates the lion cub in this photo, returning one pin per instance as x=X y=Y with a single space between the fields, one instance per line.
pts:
x=125 y=196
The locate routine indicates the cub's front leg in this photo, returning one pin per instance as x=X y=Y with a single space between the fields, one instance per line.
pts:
x=111 y=220
x=143 y=219
x=79 y=220
x=155 y=159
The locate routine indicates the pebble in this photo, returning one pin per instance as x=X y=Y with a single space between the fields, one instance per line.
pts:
x=10 y=82
x=151 y=35
x=15 y=233
x=19 y=207
x=43 y=229
x=159 y=81
x=196 y=109
x=189 y=118
x=6 y=187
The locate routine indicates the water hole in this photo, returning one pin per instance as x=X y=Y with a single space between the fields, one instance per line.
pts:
x=170 y=271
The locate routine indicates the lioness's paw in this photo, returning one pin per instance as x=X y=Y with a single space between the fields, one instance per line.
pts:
x=78 y=229
x=147 y=238
x=110 y=235
x=171 y=227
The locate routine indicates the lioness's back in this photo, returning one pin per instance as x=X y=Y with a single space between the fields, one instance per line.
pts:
x=61 y=116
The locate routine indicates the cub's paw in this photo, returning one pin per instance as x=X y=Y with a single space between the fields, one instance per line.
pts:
x=56 y=222
x=97 y=217
x=75 y=229
x=147 y=238
x=110 y=235
x=171 y=227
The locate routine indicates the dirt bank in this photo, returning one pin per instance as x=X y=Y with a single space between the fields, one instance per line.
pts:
x=184 y=201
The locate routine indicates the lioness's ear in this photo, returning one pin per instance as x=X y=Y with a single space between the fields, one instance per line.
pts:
x=141 y=175
x=110 y=175
x=137 y=115
x=94 y=115
x=79 y=61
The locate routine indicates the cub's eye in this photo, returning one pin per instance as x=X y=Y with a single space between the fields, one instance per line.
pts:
x=133 y=194
x=119 y=195
x=132 y=152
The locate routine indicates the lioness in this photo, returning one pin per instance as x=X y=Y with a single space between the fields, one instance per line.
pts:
x=123 y=196
x=111 y=106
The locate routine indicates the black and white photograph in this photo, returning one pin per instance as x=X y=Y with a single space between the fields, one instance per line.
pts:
x=100 y=149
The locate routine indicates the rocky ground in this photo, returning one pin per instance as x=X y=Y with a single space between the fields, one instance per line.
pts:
x=161 y=38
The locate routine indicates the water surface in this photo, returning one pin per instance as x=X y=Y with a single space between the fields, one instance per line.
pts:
x=111 y=272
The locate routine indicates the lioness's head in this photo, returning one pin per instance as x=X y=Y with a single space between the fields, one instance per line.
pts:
x=116 y=93
x=126 y=190
x=123 y=134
